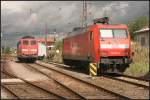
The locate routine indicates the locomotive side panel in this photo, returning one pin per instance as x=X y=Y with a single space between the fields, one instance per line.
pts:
x=76 y=47
x=96 y=46
x=19 y=48
x=82 y=47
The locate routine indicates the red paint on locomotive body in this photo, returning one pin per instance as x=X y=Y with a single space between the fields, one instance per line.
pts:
x=27 y=48
x=98 y=43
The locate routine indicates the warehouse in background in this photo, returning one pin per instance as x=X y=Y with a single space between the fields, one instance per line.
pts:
x=143 y=36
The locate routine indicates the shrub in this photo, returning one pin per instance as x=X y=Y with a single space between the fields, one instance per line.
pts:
x=140 y=65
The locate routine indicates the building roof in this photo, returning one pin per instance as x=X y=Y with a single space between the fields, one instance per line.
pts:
x=48 y=39
x=142 y=30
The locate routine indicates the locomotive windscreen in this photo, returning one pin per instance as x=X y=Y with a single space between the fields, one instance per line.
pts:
x=113 y=33
x=25 y=42
x=33 y=42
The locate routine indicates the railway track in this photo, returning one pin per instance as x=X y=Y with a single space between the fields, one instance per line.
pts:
x=58 y=82
x=77 y=79
x=133 y=84
x=15 y=87
x=77 y=86
x=127 y=76
x=120 y=77
x=129 y=79
x=50 y=94
x=11 y=93
x=5 y=75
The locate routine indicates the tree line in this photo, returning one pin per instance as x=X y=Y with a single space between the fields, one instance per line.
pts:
x=137 y=24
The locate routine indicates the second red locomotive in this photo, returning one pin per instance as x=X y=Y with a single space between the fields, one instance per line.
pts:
x=27 y=49
x=107 y=45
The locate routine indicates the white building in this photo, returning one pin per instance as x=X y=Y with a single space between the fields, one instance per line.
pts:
x=143 y=36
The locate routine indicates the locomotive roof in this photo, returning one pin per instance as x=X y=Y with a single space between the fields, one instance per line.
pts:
x=82 y=30
x=25 y=37
x=78 y=31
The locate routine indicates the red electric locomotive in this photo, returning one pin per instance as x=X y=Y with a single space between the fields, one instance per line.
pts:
x=107 y=45
x=27 y=49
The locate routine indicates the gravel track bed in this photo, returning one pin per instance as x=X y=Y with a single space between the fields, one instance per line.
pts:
x=26 y=91
x=5 y=94
x=129 y=90
x=5 y=76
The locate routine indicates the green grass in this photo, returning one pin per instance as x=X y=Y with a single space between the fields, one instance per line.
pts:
x=140 y=65
x=137 y=69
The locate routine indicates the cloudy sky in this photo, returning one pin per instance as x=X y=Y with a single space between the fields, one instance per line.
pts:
x=30 y=16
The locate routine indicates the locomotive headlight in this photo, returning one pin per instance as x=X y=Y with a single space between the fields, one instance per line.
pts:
x=24 y=49
x=33 y=50
x=104 y=53
x=123 y=46
x=104 y=46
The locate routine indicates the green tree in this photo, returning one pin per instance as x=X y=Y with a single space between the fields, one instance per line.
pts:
x=137 y=24
x=58 y=45
x=7 y=50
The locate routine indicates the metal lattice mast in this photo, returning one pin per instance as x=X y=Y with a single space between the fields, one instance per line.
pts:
x=84 y=14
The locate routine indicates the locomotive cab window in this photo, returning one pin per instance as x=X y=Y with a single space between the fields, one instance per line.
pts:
x=25 y=42
x=33 y=42
x=106 y=33
x=113 y=33
x=120 y=33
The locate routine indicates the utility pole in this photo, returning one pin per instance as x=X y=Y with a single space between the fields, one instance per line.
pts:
x=30 y=11
x=46 y=32
x=84 y=14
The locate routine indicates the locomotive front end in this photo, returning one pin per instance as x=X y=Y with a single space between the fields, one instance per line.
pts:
x=115 y=46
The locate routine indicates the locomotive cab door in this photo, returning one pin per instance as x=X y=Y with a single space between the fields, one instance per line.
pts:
x=90 y=52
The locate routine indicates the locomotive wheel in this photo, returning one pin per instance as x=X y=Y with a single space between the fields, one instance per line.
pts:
x=122 y=68
x=66 y=62
x=88 y=70
x=103 y=69
x=20 y=59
